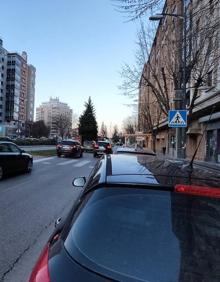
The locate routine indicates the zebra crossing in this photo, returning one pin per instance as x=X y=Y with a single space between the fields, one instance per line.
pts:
x=63 y=162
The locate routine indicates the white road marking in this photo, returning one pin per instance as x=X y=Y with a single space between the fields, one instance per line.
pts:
x=47 y=163
x=91 y=166
x=82 y=163
x=43 y=159
x=67 y=162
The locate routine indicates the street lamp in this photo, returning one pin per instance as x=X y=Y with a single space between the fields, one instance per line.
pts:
x=181 y=132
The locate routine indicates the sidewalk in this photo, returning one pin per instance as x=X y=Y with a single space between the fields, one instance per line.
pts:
x=204 y=164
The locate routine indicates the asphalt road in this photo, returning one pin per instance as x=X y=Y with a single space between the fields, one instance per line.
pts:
x=38 y=148
x=29 y=206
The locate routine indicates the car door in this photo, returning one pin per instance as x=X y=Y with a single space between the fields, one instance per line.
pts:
x=6 y=159
x=18 y=159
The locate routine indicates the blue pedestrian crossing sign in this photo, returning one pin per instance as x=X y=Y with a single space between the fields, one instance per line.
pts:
x=177 y=118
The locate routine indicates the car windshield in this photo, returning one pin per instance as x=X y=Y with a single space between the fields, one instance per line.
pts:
x=148 y=235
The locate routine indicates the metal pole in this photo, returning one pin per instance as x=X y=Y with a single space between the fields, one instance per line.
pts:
x=183 y=131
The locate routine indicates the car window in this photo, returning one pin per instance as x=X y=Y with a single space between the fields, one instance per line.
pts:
x=68 y=143
x=4 y=148
x=131 y=232
x=13 y=148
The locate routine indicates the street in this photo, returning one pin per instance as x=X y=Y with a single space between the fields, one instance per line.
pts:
x=30 y=204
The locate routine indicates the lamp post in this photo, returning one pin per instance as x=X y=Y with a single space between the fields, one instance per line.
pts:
x=180 y=132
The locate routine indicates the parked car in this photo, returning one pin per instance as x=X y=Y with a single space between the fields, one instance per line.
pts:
x=132 y=150
x=88 y=146
x=137 y=219
x=101 y=148
x=13 y=159
x=69 y=148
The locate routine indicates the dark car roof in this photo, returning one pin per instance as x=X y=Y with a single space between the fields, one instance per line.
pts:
x=7 y=142
x=145 y=169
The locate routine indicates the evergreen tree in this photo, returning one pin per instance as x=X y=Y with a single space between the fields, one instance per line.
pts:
x=88 y=128
x=115 y=136
x=39 y=129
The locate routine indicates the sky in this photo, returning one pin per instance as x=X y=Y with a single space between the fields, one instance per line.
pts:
x=78 y=49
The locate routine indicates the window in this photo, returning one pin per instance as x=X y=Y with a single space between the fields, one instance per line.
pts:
x=4 y=148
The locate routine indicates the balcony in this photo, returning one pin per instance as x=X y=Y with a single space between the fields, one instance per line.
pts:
x=208 y=97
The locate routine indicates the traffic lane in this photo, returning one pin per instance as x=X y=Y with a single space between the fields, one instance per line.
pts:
x=29 y=208
x=42 y=166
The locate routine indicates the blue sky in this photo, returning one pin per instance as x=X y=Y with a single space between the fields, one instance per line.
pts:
x=77 y=47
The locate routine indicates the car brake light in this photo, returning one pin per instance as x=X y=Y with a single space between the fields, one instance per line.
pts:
x=198 y=190
x=40 y=273
x=96 y=146
x=108 y=147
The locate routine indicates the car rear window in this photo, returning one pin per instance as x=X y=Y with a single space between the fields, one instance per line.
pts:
x=69 y=143
x=148 y=235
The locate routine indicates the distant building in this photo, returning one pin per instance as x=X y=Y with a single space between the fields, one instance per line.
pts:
x=30 y=93
x=3 y=73
x=49 y=111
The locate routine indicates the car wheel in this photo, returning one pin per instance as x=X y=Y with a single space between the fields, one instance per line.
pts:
x=29 y=166
x=1 y=172
x=58 y=155
x=94 y=155
x=81 y=155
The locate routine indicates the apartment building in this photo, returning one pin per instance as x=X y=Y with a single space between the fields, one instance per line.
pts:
x=161 y=80
x=17 y=92
x=3 y=73
x=30 y=93
x=205 y=116
x=50 y=111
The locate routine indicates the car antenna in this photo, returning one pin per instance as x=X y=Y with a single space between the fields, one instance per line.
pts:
x=190 y=165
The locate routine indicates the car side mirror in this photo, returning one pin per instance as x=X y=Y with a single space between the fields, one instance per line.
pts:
x=22 y=151
x=57 y=222
x=79 y=181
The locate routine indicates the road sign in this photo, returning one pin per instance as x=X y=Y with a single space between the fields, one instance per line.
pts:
x=177 y=118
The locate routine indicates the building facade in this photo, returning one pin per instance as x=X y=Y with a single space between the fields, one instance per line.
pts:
x=162 y=80
x=17 y=92
x=30 y=93
x=3 y=74
x=53 y=110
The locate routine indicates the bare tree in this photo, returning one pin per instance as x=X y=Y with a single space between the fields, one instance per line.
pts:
x=103 y=130
x=130 y=125
x=62 y=123
x=137 y=8
x=162 y=62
